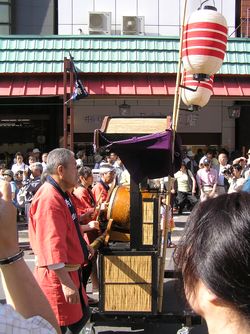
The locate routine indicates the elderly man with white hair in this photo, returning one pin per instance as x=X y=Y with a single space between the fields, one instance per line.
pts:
x=55 y=237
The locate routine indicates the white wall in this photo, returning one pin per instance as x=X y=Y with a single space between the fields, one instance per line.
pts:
x=162 y=17
x=211 y=119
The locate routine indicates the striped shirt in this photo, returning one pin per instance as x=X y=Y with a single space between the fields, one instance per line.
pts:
x=11 y=322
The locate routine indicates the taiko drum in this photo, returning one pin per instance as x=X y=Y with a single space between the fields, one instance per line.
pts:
x=119 y=207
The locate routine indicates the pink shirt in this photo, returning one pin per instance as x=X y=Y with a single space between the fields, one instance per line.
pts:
x=207 y=177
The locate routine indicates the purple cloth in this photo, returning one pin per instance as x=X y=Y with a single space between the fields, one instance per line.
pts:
x=149 y=156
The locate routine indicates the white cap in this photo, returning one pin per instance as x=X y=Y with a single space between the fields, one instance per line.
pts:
x=105 y=168
x=36 y=150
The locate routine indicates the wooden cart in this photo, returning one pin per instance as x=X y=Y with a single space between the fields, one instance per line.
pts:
x=129 y=271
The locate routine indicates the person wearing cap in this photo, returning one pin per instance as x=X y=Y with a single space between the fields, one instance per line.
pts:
x=101 y=189
x=36 y=154
x=209 y=155
x=19 y=165
x=107 y=174
x=207 y=179
x=9 y=176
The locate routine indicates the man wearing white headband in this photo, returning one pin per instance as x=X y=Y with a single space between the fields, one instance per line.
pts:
x=107 y=173
x=101 y=188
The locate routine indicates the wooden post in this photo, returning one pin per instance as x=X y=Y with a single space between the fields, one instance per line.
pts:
x=135 y=216
x=71 y=107
x=164 y=247
x=65 y=108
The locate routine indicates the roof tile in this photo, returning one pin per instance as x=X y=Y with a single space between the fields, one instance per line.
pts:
x=114 y=54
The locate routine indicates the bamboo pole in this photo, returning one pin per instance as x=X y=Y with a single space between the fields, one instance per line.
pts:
x=170 y=180
x=178 y=76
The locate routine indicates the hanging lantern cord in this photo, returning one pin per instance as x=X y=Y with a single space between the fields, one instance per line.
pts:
x=205 y=2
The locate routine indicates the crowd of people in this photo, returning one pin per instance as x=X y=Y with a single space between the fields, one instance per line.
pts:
x=209 y=175
x=66 y=210
x=65 y=214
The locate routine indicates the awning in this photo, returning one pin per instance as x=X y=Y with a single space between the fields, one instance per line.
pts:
x=122 y=85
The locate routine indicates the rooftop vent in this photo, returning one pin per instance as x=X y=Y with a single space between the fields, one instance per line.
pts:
x=100 y=23
x=133 y=25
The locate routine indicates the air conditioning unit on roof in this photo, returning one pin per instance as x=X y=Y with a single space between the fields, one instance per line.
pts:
x=100 y=23
x=133 y=25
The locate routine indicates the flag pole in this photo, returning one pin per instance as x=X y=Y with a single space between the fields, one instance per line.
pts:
x=65 y=107
x=71 y=105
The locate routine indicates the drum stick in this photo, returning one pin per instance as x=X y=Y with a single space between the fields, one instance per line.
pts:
x=98 y=199
x=98 y=205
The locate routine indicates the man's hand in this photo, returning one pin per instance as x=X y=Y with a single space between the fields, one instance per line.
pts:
x=104 y=206
x=71 y=293
x=91 y=252
x=69 y=289
x=94 y=225
x=85 y=217
x=8 y=230
x=211 y=195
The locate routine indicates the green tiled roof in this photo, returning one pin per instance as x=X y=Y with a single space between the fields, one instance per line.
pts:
x=112 y=54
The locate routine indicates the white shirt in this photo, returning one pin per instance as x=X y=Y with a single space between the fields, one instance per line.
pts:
x=236 y=185
x=44 y=166
x=15 y=168
x=11 y=322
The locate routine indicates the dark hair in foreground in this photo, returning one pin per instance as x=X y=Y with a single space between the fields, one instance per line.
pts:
x=215 y=248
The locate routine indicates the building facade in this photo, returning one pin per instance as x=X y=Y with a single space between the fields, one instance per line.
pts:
x=139 y=70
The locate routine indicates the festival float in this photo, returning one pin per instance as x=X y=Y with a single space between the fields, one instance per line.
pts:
x=132 y=251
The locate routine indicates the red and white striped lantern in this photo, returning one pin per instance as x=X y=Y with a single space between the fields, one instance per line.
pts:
x=201 y=95
x=204 y=41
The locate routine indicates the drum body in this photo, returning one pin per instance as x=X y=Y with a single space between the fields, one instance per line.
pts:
x=119 y=207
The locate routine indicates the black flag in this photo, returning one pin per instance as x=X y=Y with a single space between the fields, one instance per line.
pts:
x=79 y=91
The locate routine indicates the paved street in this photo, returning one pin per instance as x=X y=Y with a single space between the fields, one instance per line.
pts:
x=172 y=301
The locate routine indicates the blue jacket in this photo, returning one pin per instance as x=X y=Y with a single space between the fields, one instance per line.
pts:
x=246 y=185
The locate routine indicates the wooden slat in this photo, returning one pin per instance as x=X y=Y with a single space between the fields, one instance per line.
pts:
x=135 y=125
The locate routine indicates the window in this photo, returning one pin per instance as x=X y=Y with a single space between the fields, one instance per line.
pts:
x=5 y=17
x=4 y=13
x=4 y=29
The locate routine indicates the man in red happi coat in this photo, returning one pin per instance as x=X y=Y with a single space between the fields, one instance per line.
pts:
x=102 y=187
x=54 y=238
x=101 y=190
